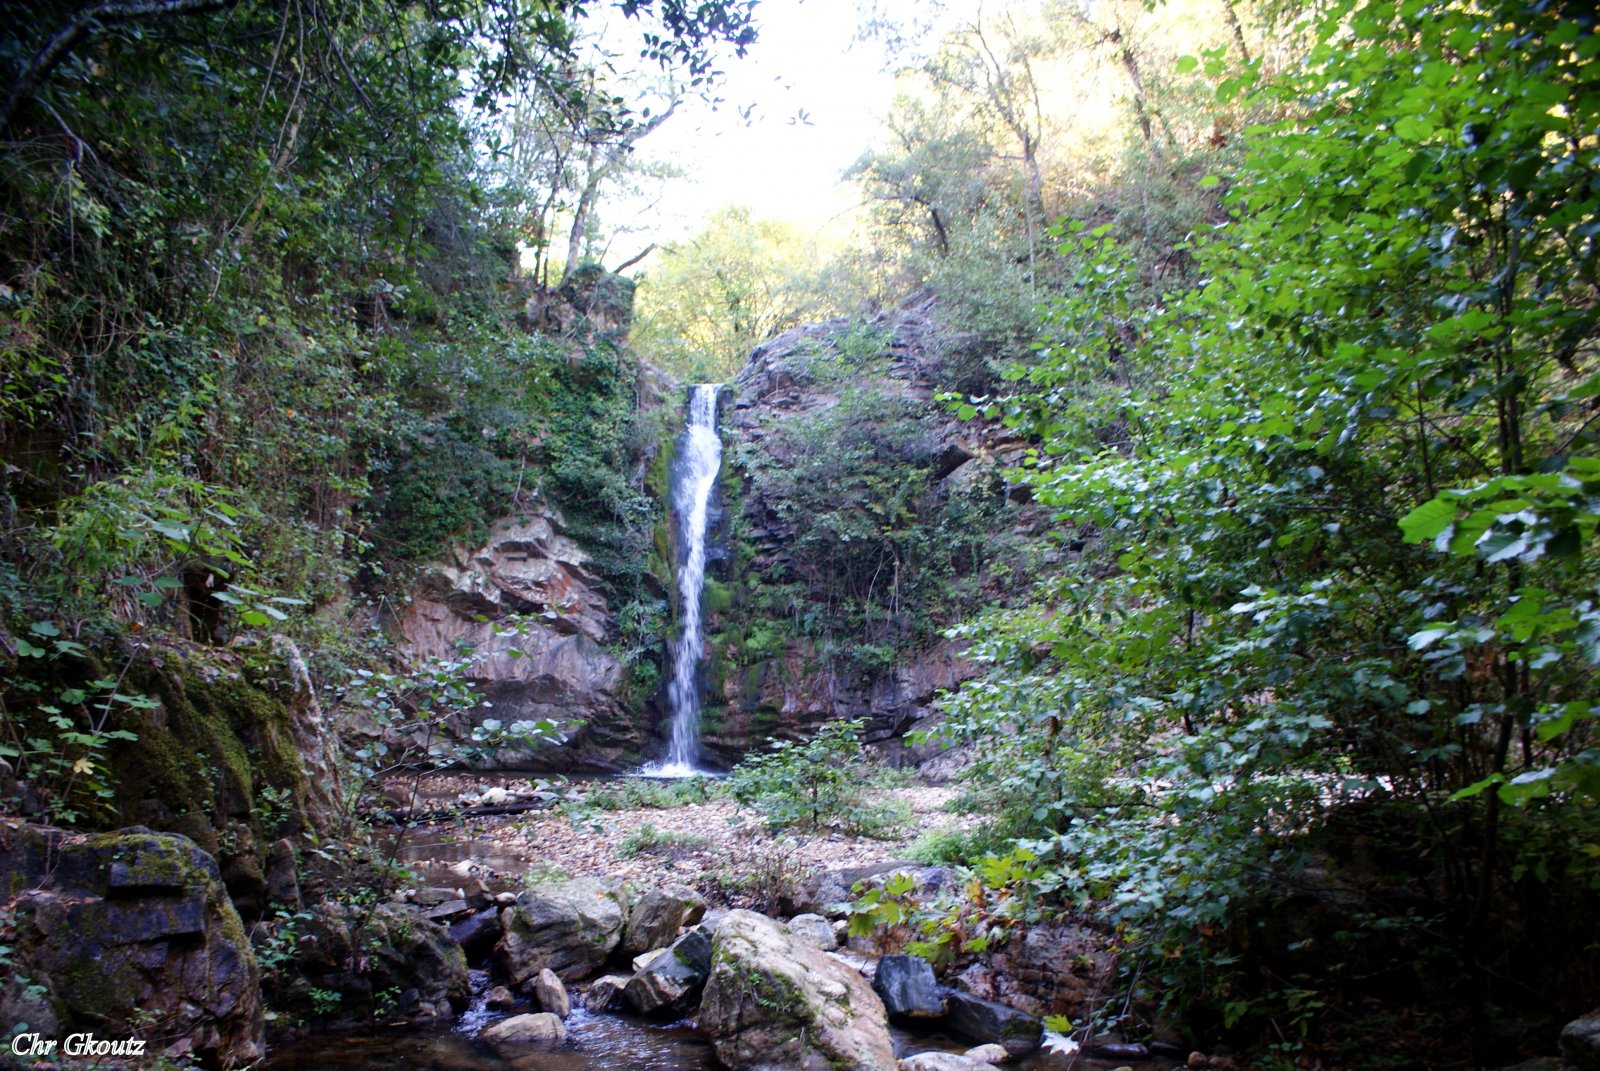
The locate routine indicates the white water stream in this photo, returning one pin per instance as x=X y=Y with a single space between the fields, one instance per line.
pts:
x=694 y=476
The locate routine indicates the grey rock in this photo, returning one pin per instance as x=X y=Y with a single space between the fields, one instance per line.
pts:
x=551 y=995
x=605 y=994
x=986 y=1021
x=774 y=1003
x=908 y=989
x=669 y=983
x=539 y=1028
x=571 y=927
x=1580 y=1042
x=942 y=1061
x=660 y=914
x=149 y=916
x=447 y=911
x=815 y=930
x=477 y=934
x=989 y=1054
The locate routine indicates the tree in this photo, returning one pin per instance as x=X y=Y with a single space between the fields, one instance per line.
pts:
x=1340 y=615
x=717 y=295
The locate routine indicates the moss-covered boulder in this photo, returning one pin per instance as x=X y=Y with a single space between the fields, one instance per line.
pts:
x=571 y=927
x=776 y=1003
x=130 y=934
x=383 y=962
x=218 y=758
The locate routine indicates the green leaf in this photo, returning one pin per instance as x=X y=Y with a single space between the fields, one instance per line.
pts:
x=1428 y=520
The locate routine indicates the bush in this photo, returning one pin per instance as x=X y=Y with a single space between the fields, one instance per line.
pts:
x=815 y=784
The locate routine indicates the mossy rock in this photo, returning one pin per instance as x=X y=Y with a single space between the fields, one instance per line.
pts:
x=202 y=759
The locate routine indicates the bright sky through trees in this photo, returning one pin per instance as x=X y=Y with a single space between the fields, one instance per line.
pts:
x=796 y=111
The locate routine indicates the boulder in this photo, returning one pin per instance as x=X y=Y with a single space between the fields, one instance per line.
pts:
x=1580 y=1042
x=410 y=967
x=539 y=1028
x=606 y=993
x=989 y=1054
x=113 y=924
x=551 y=995
x=659 y=916
x=815 y=930
x=942 y=1061
x=477 y=935
x=643 y=960
x=670 y=982
x=908 y=989
x=500 y=999
x=774 y=1003
x=570 y=927
x=986 y=1021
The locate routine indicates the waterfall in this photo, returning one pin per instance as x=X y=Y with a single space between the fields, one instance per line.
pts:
x=693 y=477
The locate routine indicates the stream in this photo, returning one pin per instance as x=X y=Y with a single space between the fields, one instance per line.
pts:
x=447 y=854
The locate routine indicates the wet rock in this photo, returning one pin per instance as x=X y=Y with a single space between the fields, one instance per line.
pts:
x=1119 y=1050
x=436 y=896
x=672 y=980
x=539 y=1028
x=986 y=1021
x=111 y=924
x=447 y=911
x=908 y=989
x=942 y=1061
x=551 y=995
x=476 y=935
x=1580 y=1042
x=815 y=930
x=570 y=927
x=659 y=916
x=989 y=1054
x=477 y=894
x=500 y=999
x=774 y=1003
x=606 y=993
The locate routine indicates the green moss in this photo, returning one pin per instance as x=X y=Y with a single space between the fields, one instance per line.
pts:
x=716 y=597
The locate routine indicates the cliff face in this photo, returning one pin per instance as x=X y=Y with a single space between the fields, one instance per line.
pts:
x=863 y=520
x=537 y=619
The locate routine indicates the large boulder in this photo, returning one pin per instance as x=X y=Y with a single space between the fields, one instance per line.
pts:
x=1580 y=1042
x=667 y=985
x=571 y=927
x=775 y=1003
x=659 y=915
x=132 y=935
x=539 y=1028
x=387 y=961
x=987 y=1021
x=908 y=989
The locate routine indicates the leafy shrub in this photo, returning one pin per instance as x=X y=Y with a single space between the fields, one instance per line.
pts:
x=815 y=784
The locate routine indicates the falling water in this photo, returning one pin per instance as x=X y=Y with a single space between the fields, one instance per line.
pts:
x=699 y=457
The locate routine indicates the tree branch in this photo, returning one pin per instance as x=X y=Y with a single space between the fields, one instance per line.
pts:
x=62 y=42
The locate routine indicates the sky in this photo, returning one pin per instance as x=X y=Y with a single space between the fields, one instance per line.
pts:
x=798 y=109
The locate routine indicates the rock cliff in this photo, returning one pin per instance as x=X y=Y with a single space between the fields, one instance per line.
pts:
x=863 y=519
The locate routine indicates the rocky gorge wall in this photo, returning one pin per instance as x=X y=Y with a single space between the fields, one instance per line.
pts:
x=838 y=451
